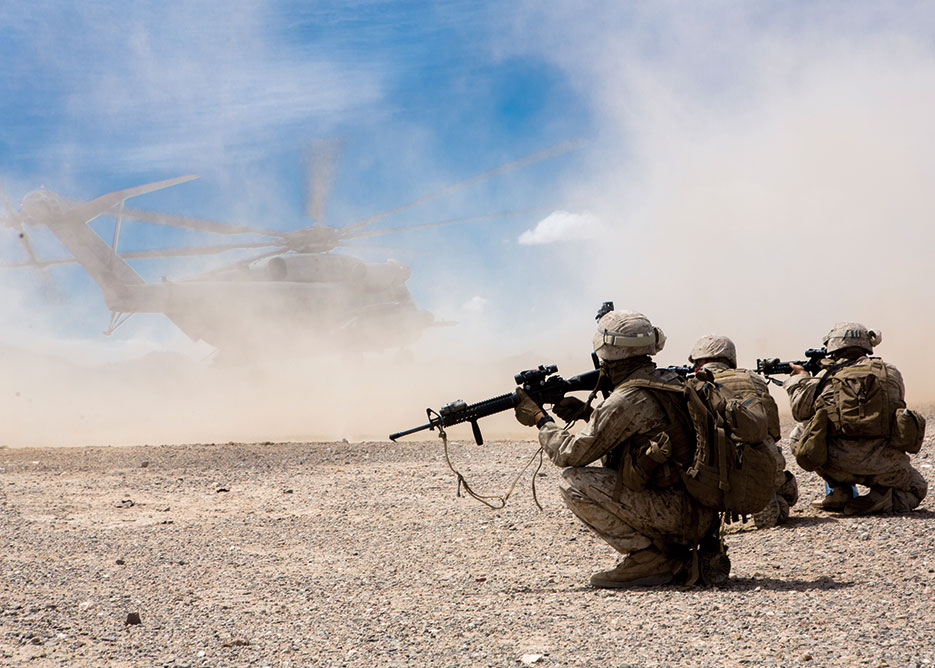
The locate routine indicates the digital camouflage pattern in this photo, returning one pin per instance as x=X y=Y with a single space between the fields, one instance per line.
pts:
x=713 y=346
x=851 y=335
x=622 y=334
x=862 y=461
x=639 y=517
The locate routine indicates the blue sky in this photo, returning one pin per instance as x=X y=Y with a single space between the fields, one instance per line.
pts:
x=746 y=133
x=99 y=96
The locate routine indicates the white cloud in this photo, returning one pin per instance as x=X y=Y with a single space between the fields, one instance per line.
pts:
x=563 y=226
x=475 y=304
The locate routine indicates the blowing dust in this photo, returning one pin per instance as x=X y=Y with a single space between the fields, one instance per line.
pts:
x=774 y=186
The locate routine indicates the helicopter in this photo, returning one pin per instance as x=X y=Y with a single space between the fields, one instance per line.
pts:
x=293 y=296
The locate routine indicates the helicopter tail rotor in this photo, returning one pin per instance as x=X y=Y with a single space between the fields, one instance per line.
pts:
x=11 y=219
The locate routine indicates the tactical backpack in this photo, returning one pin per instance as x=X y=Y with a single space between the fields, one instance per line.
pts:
x=858 y=405
x=747 y=384
x=732 y=469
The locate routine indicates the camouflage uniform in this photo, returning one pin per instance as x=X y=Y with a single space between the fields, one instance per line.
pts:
x=869 y=462
x=637 y=518
x=635 y=500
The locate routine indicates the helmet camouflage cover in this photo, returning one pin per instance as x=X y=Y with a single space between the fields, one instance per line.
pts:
x=851 y=335
x=622 y=334
x=712 y=346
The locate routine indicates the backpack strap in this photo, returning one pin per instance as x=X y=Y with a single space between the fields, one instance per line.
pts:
x=830 y=371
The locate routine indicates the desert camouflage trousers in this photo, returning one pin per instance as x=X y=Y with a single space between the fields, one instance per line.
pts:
x=787 y=493
x=635 y=520
x=872 y=464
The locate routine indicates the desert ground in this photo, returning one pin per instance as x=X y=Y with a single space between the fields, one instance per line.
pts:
x=361 y=554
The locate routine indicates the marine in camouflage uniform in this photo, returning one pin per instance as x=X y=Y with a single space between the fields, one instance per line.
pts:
x=718 y=355
x=894 y=484
x=615 y=479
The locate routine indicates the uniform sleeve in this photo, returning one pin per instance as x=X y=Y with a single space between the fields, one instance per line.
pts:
x=801 y=389
x=895 y=388
x=612 y=421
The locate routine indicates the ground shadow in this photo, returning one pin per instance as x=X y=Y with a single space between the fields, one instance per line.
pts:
x=821 y=583
x=915 y=514
x=791 y=523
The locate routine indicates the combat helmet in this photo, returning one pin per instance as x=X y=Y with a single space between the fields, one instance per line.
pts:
x=622 y=334
x=712 y=346
x=851 y=335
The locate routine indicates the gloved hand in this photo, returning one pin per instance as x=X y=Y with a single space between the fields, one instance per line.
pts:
x=527 y=411
x=572 y=408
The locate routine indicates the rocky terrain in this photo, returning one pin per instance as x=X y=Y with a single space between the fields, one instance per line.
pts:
x=361 y=554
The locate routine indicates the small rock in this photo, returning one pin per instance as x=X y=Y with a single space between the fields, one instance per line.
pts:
x=222 y=489
x=287 y=491
x=126 y=503
x=530 y=659
x=236 y=642
x=120 y=562
x=133 y=618
x=144 y=465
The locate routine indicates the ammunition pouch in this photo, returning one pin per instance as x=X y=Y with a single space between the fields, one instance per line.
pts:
x=811 y=450
x=908 y=431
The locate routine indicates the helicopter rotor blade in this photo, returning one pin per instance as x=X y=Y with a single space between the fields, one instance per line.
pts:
x=532 y=158
x=41 y=264
x=450 y=221
x=200 y=224
x=322 y=157
x=195 y=250
x=10 y=211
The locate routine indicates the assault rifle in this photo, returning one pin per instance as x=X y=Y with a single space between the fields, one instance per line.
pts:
x=543 y=385
x=771 y=366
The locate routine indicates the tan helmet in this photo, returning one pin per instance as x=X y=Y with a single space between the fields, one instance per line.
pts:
x=622 y=334
x=851 y=335
x=712 y=346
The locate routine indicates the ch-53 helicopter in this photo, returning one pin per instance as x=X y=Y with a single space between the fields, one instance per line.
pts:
x=295 y=297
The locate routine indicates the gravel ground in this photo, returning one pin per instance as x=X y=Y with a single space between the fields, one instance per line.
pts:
x=360 y=554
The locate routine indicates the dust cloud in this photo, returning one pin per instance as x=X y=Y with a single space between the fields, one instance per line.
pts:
x=762 y=176
x=752 y=178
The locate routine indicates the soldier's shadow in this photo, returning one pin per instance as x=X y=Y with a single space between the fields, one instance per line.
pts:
x=791 y=523
x=812 y=520
x=822 y=583
x=915 y=514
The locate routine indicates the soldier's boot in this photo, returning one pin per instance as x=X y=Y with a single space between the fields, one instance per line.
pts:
x=835 y=501
x=640 y=568
x=783 y=510
x=769 y=516
x=789 y=490
x=877 y=500
x=714 y=564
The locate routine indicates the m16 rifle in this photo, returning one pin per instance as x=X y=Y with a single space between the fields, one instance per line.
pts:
x=543 y=385
x=812 y=364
